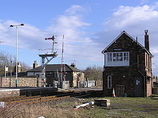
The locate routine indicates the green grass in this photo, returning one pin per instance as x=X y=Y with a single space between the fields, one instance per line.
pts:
x=127 y=108
x=120 y=107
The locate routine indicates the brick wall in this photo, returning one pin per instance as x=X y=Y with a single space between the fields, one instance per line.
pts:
x=22 y=82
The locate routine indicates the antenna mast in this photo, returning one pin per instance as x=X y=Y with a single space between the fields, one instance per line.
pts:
x=62 y=58
x=63 y=73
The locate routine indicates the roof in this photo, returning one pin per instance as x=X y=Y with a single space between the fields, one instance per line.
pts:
x=55 y=67
x=122 y=33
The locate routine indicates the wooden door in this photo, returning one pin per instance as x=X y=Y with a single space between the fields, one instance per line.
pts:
x=120 y=90
x=138 y=87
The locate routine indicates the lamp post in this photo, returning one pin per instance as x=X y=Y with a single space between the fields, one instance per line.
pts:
x=16 y=26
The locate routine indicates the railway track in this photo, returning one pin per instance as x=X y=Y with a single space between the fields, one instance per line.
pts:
x=30 y=100
x=39 y=99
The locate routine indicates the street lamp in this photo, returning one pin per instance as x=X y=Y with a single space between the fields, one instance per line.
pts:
x=16 y=26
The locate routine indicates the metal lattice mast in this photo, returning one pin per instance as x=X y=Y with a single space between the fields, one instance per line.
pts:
x=63 y=73
x=46 y=58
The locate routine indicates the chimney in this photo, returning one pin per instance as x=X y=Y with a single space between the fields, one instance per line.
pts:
x=73 y=65
x=35 y=65
x=146 y=37
x=19 y=69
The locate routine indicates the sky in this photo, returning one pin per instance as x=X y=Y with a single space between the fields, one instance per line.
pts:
x=88 y=27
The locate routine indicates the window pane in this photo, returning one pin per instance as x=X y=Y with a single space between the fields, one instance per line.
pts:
x=126 y=56
x=117 y=59
x=114 y=57
x=109 y=56
x=119 y=56
x=109 y=81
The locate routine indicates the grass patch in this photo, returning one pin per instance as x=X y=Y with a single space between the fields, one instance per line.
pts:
x=121 y=107
x=126 y=107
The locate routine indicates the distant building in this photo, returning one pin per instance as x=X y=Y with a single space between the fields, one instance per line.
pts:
x=35 y=65
x=53 y=73
x=127 y=67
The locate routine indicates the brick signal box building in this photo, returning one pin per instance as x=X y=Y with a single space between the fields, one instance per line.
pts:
x=127 y=67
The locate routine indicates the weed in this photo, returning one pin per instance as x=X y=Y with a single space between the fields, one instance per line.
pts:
x=121 y=107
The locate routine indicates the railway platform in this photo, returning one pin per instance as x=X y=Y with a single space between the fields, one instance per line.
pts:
x=27 y=91
x=43 y=91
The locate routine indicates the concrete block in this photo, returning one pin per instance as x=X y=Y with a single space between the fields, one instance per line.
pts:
x=102 y=102
x=2 y=104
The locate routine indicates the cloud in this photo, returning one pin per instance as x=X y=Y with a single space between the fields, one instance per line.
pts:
x=154 y=49
x=144 y=1
x=27 y=35
x=75 y=9
x=135 y=20
x=77 y=45
x=138 y=16
x=70 y=24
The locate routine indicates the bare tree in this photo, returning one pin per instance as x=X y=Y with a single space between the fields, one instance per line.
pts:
x=8 y=60
x=25 y=67
x=93 y=73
